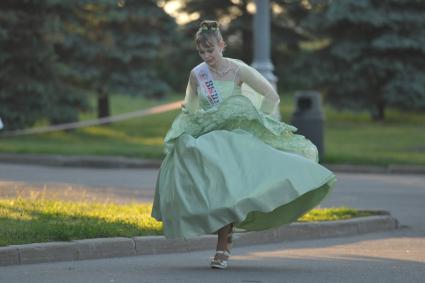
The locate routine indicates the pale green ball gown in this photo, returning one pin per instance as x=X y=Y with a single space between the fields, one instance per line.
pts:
x=234 y=164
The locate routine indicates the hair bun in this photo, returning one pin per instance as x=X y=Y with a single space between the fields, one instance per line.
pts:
x=208 y=25
x=208 y=34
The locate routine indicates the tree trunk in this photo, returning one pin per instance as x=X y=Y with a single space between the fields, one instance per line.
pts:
x=378 y=114
x=102 y=103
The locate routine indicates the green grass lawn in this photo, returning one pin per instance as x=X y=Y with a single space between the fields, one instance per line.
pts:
x=138 y=137
x=353 y=138
x=35 y=220
x=349 y=137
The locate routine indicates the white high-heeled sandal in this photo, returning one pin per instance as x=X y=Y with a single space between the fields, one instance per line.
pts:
x=220 y=263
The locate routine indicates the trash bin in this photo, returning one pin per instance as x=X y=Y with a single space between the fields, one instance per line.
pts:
x=309 y=118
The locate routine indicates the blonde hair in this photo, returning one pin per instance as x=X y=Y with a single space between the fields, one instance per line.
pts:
x=207 y=31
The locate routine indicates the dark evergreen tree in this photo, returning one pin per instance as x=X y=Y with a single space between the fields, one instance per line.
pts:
x=373 y=54
x=31 y=87
x=288 y=34
x=117 y=46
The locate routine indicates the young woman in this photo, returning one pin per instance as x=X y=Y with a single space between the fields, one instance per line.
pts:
x=229 y=163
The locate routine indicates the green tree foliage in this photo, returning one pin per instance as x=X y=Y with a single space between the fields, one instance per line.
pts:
x=372 y=54
x=287 y=35
x=53 y=52
x=117 y=46
x=31 y=87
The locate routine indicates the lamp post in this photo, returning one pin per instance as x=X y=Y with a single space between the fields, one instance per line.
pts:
x=262 y=61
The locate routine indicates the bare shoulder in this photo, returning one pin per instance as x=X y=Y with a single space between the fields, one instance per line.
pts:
x=192 y=77
x=236 y=62
x=193 y=72
x=194 y=68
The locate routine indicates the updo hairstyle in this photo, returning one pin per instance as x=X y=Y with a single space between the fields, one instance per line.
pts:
x=208 y=32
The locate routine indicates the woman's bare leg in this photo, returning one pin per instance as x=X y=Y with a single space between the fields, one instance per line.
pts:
x=222 y=238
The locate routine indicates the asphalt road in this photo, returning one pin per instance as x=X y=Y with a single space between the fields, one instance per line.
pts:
x=397 y=256
x=381 y=257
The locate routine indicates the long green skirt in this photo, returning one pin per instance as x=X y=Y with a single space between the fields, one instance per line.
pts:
x=233 y=164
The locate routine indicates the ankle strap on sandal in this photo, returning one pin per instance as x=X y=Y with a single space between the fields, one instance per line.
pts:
x=226 y=253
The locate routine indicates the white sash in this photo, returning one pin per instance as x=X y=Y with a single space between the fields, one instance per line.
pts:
x=207 y=84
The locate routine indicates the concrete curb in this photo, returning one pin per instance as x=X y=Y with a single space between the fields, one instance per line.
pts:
x=125 y=162
x=120 y=247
